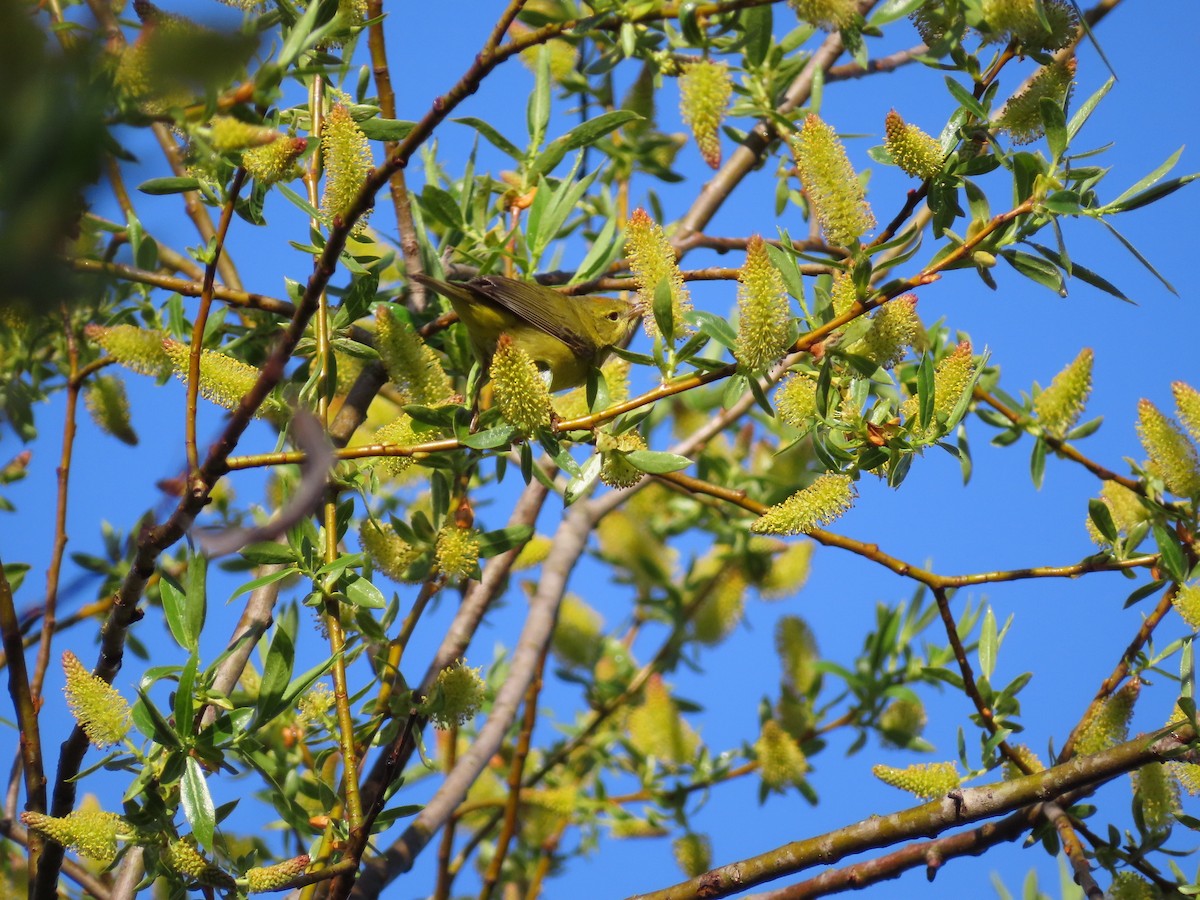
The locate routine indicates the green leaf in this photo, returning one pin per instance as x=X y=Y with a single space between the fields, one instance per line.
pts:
x=580 y=136
x=1040 y=270
x=1152 y=178
x=925 y=391
x=988 y=644
x=493 y=543
x=1085 y=110
x=1143 y=592
x=152 y=723
x=175 y=612
x=263 y=581
x=391 y=130
x=492 y=136
x=537 y=111
x=1150 y=195
x=184 y=701
x=1171 y=555
x=966 y=99
x=582 y=483
x=360 y=592
x=664 y=310
x=197 y=803
x=1101 y=517
x=757 y=28
x=891 y=10
x=441 y=206
x=714 y=326
x=1037 y=462
x=1137 y=255
x=501 y=436
x=656 y=462
x=268 y=552
x=169 y=185
x=277 y=668
x=600 y=255
x=1054 y=120
x=197 y=594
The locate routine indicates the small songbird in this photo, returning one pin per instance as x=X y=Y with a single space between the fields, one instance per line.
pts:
x=565 y=336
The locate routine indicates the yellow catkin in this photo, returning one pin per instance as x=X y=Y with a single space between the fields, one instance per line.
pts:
x=97 y=706
x=521 y=393
x=456 y=697
x=763 y=314
x=704 y=92
x=780 y=760
x=347 y=155
x=693 y=853
x=798 y=654
x=924 y=780
x=1172 y=455
x=1021 y=116
x=656 y=729
x=1061 y=404
x=833 y=188
x=652 y=261
x=914 y=151
x=806 y=510
x=830 y=15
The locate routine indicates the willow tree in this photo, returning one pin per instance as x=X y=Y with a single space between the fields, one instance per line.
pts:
x=220 y=237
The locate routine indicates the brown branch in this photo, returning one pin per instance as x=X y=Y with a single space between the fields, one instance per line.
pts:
x=960 y=806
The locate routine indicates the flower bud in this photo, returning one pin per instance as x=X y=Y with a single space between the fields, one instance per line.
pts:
x=97 y=706
x=1172 y=455
x=763 y=314
x=798 y=654
x=693 y=853
x=521 y=393
x=1061 y=404
x=137 y=349
x=655 y=727
x=411 y=364
x=924 y=780
x=105 y=399
x=834 y=191
x=617 y=471
x=390 y=553
x=831 y=15
x=704 y=92
x=276 y=161
x=264 y=879
x=578 y=633
x=796 y=400
x=1187 y=404
x=347 y=156
x=457 y=552
x=1155 y=787
x=457 y=696
x=1021 y=116
x=652 y=260
x=1107 y=723
x=780 y=760
x=808 y=509
x=914 y=151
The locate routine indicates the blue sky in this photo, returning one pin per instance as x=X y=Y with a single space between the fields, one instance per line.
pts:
x=1069 y=633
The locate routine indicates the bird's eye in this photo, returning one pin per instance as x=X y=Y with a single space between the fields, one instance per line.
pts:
x=614 y=316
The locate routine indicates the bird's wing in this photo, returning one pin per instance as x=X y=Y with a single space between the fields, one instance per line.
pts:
x=529 y=303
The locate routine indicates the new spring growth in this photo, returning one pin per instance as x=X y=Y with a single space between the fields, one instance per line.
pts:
x=902 y=721
x=1187 y=404
x=704 y=92
x=89 y=830
x=914 y=151
x=97 y=706
x=1019 y=19
x=1125 y=507
x=264 y=879
x=137 y=349
x=834 y=191
x=390 y=553
x=457 y=551
x=108 y=405
x=399 y=432
x=456 y=697
x=831 y=15
x=578 y=633
x=693 y=853
x=223 y=379
x=796 y=400
x=895 y=327
x=1172 y=455
x=1021 y=117
x=617 y=471
x=181 y=856
x=520 y=390
x=1061 y=404
x=1155 y=787
x=951 y=377
x=818 y=504
x=1028 y=757
x=276 y=161
x=347 y=156
x=1187 y=604
x=924 y=780
x=655 y=728
x=652 y=260
x=780 y=760
x=798 y=654
x=1107 y=723
x=763 y=314
x=411 y=364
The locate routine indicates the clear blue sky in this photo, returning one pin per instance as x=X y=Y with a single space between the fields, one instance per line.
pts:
x=1069 y=633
